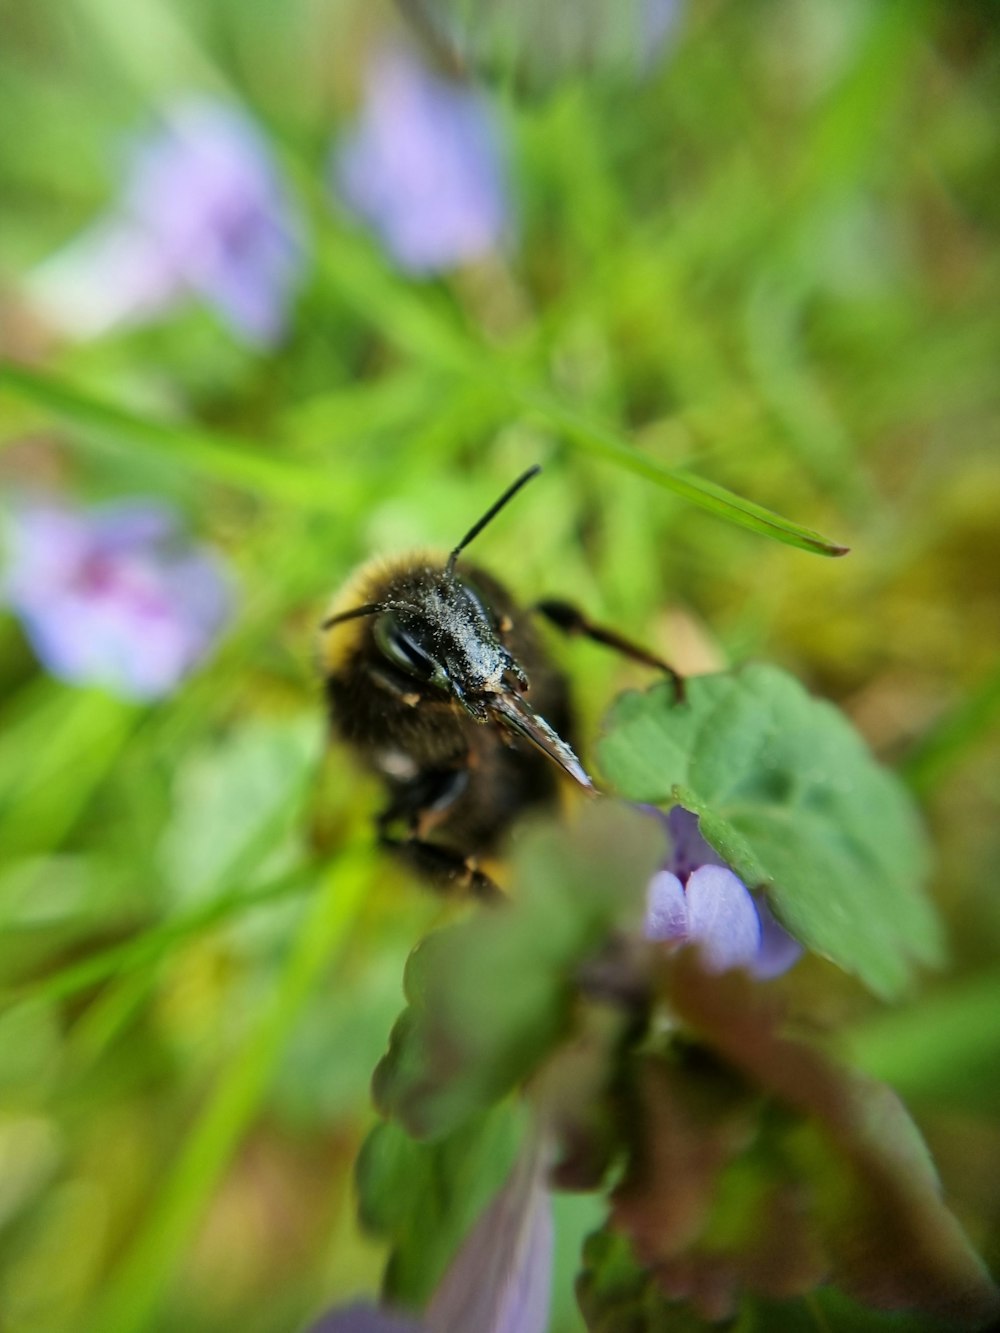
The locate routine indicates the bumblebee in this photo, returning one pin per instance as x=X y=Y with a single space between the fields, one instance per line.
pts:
x=440 y=683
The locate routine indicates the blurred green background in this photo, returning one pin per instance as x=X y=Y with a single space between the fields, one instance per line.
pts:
x=771 y=259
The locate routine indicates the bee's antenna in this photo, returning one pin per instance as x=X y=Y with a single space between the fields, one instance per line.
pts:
x=369 y=609
x=491 y=514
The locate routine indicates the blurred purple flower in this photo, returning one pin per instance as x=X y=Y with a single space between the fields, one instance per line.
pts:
x=659 y=21
x=202 y=212
x=424 y=167
x=110 y=596
x=500 y=1279
x=696 y=898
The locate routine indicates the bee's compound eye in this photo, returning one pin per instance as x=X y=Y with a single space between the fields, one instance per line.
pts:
x=478 y=602
x=402 y=650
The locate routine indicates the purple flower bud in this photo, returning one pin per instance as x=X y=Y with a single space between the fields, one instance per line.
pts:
x=423 y=166
x=499 y=1281
x=110 y=596
x=697 y=899
x=202 y=211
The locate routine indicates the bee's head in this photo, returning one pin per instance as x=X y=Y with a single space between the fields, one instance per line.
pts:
x=443 y=634
x=445 y=637
x=439 y=631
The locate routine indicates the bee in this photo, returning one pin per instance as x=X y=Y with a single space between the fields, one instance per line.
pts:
x=440 y=683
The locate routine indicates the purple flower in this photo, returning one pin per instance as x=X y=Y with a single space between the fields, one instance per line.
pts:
x=423 y=166
x=659 y=19
x=202 y=212
x=110 y=596
x=697 y=899
x=500 y=1279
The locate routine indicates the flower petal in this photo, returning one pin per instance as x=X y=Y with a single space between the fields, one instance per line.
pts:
x=131 y=524
x=722 y=918
x=778 y=950
x=666 y=908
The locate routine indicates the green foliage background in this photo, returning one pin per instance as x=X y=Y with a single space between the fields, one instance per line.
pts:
x=774 y=264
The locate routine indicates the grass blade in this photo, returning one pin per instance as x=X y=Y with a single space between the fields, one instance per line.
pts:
x=247 y=464
x=954 y=735
x=604 y=442
x=134 y=1292
x=942 y=1048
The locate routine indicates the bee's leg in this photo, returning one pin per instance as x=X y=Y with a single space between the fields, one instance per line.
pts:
x=572 y=621
x=418 y=805
x=384 y=681
x=420 y=802
x=444 y=867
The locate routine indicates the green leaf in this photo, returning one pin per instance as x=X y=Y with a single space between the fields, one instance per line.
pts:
x=615 y=1292
x=489 y=997
x=789 y=795
x=424 y=1197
